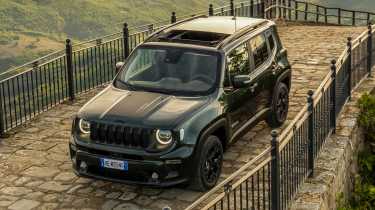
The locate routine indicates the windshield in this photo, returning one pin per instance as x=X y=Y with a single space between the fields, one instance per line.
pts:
x=170 y=70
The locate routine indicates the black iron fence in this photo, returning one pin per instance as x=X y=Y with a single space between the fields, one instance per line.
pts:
x=271 y=180
x=304 y=11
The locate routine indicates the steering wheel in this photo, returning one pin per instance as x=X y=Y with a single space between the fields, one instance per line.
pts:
x=203 y=78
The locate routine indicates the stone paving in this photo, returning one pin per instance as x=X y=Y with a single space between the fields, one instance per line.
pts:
x=35 y=170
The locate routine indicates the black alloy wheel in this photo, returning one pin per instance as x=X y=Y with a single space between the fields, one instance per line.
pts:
x=208 y=162
x=279 y=107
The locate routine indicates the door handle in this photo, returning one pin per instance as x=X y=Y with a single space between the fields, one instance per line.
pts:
x=253 y=87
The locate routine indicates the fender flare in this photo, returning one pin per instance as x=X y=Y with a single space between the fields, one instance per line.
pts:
x=285 y=74
x=221 y=121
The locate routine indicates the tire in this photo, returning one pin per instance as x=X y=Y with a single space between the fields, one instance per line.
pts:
x=279 y=107
x=209 y=159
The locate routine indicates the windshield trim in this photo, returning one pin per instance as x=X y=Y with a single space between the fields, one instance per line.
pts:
x=131 y=87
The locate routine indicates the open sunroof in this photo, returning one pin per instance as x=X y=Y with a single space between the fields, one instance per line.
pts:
x=191 y=37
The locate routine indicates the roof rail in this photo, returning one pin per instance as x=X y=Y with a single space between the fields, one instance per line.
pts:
x=240 y=33
x=174 y=24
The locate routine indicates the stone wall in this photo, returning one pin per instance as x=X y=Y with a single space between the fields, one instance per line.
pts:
x=336 y=166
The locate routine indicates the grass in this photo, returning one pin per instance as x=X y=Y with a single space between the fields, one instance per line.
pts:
x=52 y=21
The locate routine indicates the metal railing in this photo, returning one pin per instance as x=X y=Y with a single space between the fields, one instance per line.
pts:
x=271 y=180
x=304 y=11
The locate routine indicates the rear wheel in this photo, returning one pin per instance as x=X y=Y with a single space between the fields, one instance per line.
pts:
x=208 y=159
x=280 y=105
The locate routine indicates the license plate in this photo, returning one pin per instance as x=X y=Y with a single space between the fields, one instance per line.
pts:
x=114 y=164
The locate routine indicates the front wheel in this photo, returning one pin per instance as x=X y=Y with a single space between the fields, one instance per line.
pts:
x=208 y=159
x=279 y=107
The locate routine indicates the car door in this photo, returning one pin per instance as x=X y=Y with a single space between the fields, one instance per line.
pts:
x=262 y=73
x=238 y=100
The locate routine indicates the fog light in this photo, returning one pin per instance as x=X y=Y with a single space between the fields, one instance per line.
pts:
x=155 y=176
x=83 y=166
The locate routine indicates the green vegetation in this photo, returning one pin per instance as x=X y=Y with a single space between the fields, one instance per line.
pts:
x=364 y=5
x=364 y=190
x=30 y=28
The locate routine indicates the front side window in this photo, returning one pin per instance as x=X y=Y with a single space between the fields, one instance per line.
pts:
x=259 y=48
x=170 y=70
x=238 y=62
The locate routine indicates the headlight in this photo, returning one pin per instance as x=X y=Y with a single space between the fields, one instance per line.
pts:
x=84 y=126
x=164 y=137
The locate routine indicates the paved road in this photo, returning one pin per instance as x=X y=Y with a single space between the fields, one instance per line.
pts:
x=35 y=170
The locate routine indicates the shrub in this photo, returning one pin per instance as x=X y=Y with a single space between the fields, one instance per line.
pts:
x=363 y=197
x=367 y=116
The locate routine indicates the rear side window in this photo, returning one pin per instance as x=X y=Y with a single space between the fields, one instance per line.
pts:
x=259 y=48
x=238 y=62
x=271 y=39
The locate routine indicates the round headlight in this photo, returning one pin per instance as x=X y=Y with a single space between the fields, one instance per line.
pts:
x=164 y=137
x=84 y=126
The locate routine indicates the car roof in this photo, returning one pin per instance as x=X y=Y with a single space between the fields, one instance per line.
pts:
x=218 y=24
x=212 y=31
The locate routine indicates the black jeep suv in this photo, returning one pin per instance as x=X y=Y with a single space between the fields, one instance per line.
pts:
x=180 y=99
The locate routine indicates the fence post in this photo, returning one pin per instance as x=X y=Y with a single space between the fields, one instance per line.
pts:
x=69 y=68
x=310 y=154
x=325 y=15
x=290 y=9
x=339 y=16
x=231 y=8
x=369 y=50
x=353 y=20
x=2 y=130
x=275 y=172
x=279 y=9
x=368 y=18
x=284 y=9
x=125 y=33
x=349 y=67
x=263 y=8
x=173 y=17
x=333 y=96
x=296 y=9
x=317 y=14
x=251 y=8
x=211 y=10
x=306 y=10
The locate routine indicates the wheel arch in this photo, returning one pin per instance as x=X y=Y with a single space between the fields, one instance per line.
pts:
x=218 y=128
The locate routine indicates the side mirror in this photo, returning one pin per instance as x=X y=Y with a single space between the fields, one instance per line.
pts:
x=283 y=53
x=119 y=65
x=241 y=81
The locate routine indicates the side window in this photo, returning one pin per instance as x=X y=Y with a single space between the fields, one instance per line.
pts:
x=237 y=62
x=271 y=40
x=259 y=48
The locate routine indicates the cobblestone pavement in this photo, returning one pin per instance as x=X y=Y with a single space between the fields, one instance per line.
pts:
x=35 y=170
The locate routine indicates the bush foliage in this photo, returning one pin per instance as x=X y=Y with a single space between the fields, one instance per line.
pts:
x=364 y=190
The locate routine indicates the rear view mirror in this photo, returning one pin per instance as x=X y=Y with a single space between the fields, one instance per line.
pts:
x=241 y=81
x=119 y=66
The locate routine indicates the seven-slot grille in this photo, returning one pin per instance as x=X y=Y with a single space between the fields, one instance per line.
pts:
x=120 y=135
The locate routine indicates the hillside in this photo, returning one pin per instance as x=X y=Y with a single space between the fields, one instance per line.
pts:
x=31 y=28
x=365 y=5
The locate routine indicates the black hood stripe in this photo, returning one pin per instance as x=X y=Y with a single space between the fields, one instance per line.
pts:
x=114 y=104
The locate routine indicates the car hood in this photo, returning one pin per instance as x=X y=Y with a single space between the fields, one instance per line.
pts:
x=141 y=108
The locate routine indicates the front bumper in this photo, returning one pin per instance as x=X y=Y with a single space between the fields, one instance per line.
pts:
x=169 y=172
